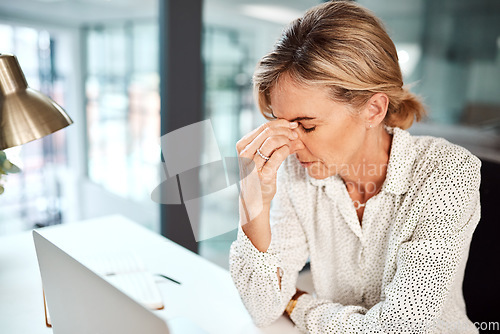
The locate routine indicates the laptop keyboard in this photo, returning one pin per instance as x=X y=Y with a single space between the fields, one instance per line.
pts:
x=128 y=273
x=140 y=286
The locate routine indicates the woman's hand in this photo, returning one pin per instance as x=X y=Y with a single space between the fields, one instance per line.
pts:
x=275 y=140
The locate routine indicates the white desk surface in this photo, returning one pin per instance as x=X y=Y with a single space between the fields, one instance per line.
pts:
x=207 y=294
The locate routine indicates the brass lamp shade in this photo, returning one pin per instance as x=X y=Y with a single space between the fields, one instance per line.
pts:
x=25 y=114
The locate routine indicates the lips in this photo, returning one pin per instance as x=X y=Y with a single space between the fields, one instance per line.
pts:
x=306 y=164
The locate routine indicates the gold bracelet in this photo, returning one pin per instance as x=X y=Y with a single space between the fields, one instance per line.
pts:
x=293 y=302
x=290 y=306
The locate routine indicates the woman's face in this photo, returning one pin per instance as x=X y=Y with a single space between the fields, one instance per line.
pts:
x=333 y=137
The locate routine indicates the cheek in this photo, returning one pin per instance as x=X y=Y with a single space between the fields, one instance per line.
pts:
x=327 y=146
x=316 y=145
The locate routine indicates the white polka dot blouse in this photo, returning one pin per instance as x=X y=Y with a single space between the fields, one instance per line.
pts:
x=400 y=271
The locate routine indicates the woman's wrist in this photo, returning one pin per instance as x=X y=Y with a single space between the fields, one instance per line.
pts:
x=293 y=302
x=258 y=230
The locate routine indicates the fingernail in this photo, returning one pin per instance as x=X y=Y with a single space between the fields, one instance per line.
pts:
x=293 y=124
x=294 y=135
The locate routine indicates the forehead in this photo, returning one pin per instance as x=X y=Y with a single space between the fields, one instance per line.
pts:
x=289 y=99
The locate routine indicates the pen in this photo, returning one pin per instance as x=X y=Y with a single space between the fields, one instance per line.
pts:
x=170 y=279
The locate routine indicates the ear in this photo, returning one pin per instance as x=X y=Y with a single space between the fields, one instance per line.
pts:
x=376 y=109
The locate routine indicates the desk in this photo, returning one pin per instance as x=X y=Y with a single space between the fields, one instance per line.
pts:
x=207 y=296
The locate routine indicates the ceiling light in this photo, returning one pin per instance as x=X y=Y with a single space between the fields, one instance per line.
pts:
x=276 y=14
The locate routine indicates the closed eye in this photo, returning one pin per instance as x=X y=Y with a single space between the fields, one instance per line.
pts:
x=306 y=130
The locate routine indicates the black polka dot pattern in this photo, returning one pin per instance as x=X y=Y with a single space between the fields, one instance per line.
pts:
x=400 y=271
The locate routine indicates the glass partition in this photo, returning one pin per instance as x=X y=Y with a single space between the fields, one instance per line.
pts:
x=450 y=50
x=123 y=108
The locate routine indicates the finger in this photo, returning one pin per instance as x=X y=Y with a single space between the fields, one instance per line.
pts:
x=270 y=169
x=270 y=145
x=276 y=123
x=258 y=141
x=250 y=137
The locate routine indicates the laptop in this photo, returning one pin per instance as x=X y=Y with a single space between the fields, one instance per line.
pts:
x=80 y=301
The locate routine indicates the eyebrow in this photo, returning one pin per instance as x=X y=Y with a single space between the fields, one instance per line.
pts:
x=296 y=119
x=302 y=119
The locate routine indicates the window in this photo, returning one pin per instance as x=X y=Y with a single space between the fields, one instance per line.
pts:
x=123 y=108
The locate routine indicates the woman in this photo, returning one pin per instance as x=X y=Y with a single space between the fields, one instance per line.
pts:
x=385 y=218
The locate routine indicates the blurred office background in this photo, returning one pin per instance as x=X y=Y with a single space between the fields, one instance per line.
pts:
x=100 y=59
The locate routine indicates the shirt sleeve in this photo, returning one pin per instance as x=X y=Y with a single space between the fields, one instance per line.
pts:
x=255 y=273
x=446 y=213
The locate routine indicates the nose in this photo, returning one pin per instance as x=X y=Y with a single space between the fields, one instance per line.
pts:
x=296 y=145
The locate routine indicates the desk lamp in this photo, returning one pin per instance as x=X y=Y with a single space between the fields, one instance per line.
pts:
x=25 y=114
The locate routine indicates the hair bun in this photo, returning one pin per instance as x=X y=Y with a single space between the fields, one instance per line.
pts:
x=408 y=110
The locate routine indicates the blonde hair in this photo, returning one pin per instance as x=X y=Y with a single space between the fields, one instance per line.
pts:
x=343 y=46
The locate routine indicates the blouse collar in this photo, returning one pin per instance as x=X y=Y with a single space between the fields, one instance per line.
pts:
x=401 y=160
